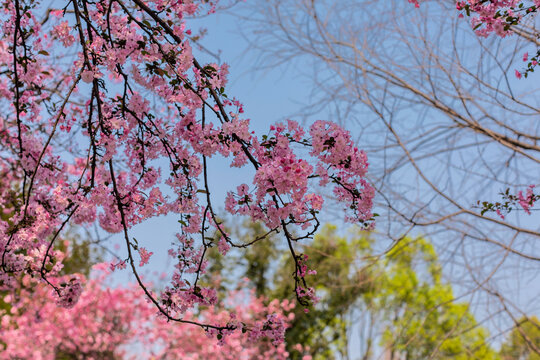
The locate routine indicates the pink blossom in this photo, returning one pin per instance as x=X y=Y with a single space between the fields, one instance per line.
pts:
x=107 y=321
x=68 y=293
x=223 y=246
x=63 y=32
x=87 y=76
x=145 y=256
x=526 y=201
x=137 y=146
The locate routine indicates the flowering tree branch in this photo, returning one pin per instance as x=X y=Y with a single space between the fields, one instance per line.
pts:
x=82 y=144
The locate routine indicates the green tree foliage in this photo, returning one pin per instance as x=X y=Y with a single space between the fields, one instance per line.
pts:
x=413 y=312
x=341 y=281
x=420 y=316
x=81 y=254
x=523 y=342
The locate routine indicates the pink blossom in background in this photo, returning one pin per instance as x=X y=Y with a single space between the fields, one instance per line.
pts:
x=114 y=323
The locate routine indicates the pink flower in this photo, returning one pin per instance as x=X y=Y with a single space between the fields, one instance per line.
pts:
x=527 y=201
x=63 y=33
x=525 y=56
x=87 y=76
x=145 y=256
x=68 y=293
x=223 y=246
x=518 y=74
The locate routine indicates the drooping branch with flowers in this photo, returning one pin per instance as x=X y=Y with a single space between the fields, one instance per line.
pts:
x=81 y=143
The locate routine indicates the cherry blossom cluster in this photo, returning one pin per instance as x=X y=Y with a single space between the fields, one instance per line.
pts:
x=527 y=201
x=273 y=328
x=531 y=62
x=495 y=16
x=344 y=165
x=110 y=120
x=519 y=201
x=305 y=295
x=281 y=181
x=106 y=323
x=68 y=293
x=145 y=256
x=498 y=17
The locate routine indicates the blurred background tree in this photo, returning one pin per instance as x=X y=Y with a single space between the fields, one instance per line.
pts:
x=395 y=306
x=522 y=340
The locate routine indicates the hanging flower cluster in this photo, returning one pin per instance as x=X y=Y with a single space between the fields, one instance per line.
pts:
x=110 y=119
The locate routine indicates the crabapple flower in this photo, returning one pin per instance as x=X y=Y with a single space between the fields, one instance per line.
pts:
x=69 y=293
x=87 y=76
x=123 y=132
x=145 y=256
